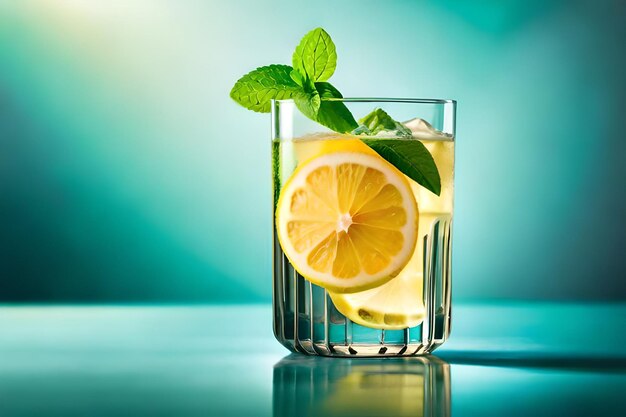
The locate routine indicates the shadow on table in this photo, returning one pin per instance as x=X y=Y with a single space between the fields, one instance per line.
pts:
x=607 y=363
x=315 y=386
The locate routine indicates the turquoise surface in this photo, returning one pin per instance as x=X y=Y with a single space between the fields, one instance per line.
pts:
x=128 y=174
x=521 y=360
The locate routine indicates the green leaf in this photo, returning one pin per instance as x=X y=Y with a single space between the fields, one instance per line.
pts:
x=334 y=114
x=411 y=157
x=297 y=77
x=316 y=55
x=327 y=90
x=308 y=103
x=314 y=62
x=256 y=89
x=378 y=120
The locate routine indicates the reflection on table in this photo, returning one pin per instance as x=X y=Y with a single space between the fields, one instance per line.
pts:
x=314 y=386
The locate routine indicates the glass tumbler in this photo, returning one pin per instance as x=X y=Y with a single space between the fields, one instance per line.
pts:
x=408 y=314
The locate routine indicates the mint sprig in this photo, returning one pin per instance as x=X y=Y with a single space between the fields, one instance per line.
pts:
x=314 y=62
x=306 y=82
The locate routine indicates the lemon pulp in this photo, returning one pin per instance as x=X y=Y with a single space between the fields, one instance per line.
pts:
x=347 y=220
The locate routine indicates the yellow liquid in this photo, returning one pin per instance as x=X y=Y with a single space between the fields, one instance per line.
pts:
x=432 y=208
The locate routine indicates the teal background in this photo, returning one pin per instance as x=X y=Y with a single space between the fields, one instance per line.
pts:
x=127 y=174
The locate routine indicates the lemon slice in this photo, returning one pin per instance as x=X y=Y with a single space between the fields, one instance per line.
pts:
x=394 y=305
x=347 y=220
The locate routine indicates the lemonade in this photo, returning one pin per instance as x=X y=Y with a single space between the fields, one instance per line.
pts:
x=362 y=211
x=388 y=292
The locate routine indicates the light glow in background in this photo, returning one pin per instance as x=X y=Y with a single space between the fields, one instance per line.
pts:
x=128 y=174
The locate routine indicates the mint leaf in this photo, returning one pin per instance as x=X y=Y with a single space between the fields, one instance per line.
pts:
x=334 y=114
x=327 y=90
x=316 y=56
x=256 y=89
x=297 y=77
x=378 y=120
x=411 y=157
x=314 y=62
x=308 y=103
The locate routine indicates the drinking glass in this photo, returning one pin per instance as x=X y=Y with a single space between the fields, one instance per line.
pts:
x=308 y=318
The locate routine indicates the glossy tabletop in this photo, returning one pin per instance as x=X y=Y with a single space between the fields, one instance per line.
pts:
x=502 y=360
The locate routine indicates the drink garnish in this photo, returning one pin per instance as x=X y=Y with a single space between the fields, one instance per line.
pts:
x=306 y=83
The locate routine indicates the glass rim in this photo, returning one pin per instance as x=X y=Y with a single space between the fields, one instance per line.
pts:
x=382 y=100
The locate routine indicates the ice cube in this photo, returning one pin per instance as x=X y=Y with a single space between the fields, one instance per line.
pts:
x=423 y=130
x=392 y=133
x=378 y=124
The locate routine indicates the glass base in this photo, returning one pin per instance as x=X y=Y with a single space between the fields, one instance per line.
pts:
x=306 y=321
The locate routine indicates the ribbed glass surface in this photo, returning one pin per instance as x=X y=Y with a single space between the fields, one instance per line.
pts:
x=306 y=319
